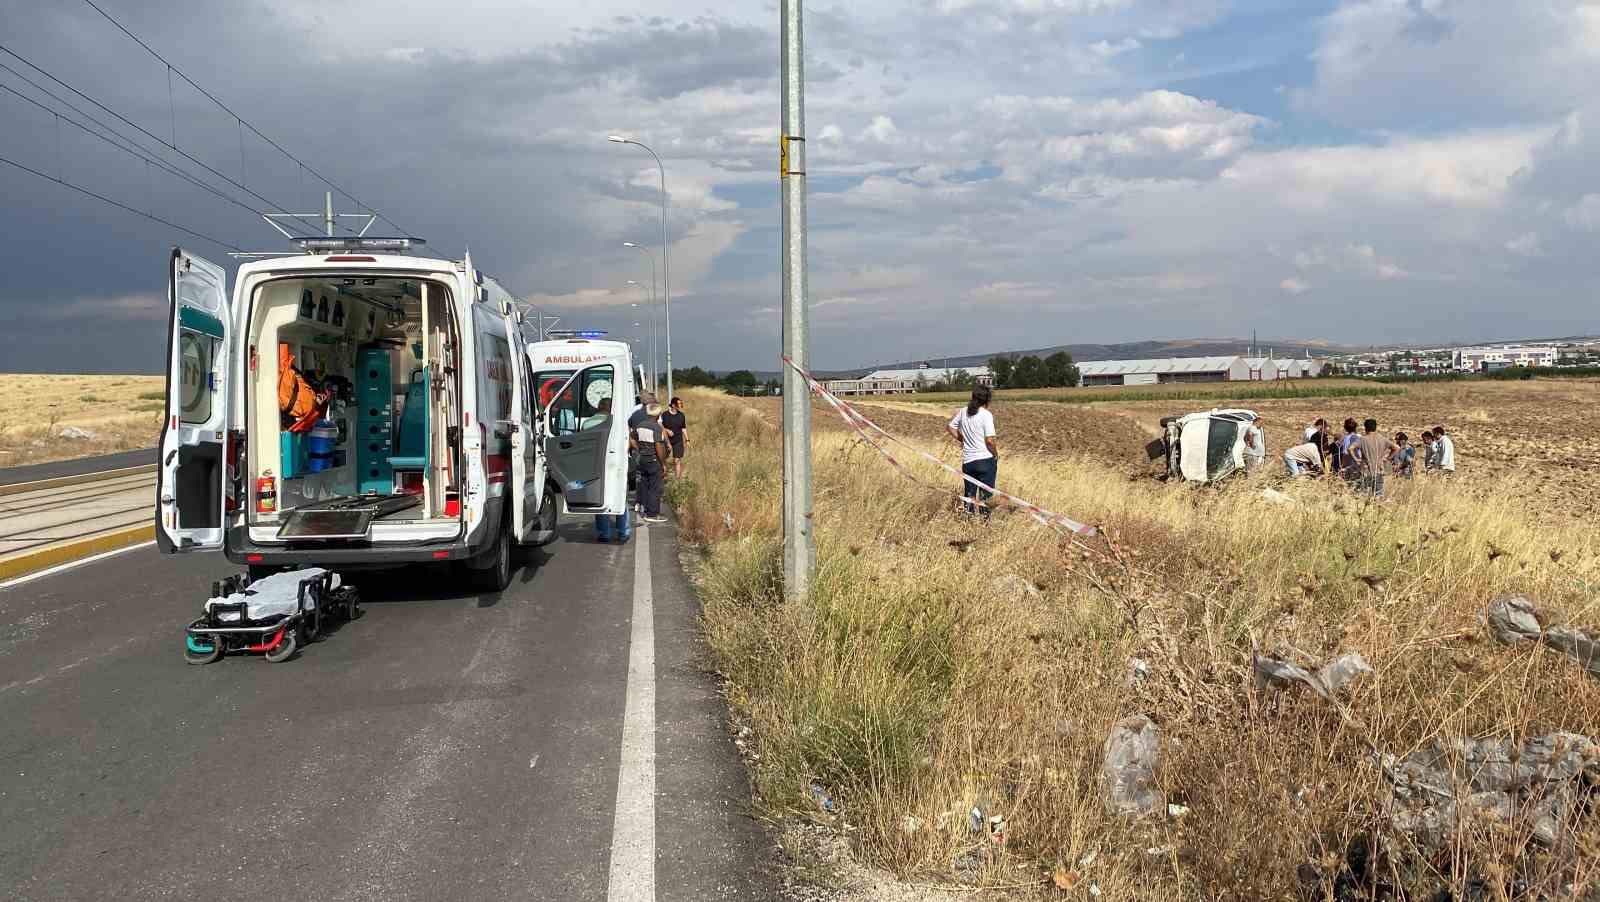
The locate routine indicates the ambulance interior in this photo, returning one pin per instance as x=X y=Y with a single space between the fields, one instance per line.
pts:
x=353 y=387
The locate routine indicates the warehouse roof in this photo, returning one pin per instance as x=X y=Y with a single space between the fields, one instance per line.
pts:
x=1157 y=365
x=932 y=374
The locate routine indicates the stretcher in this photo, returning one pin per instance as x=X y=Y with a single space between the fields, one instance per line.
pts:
x=274 y=616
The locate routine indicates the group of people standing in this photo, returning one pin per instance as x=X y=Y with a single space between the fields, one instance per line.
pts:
x=1363 y=456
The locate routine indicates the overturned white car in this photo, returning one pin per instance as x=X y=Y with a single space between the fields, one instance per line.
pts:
x=1207 y=447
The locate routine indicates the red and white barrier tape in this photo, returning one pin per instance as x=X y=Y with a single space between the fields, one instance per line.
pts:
x=861 y=424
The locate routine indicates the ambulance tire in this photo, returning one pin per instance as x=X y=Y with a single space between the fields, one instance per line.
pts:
x=495 y=577
x=549 y=513
x=261 y=571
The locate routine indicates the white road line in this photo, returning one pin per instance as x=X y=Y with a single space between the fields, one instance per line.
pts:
x=59 y=568
x=633 y=828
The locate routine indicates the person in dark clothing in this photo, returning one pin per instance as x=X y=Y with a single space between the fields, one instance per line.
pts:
x=676 y=427
x=646 y=439
x=636 y=417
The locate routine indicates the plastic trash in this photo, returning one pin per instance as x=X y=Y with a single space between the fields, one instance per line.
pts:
x=1449 y=782
x=823 y=800
x=1326 y=682
x=1128 y=774
x=1513 y=618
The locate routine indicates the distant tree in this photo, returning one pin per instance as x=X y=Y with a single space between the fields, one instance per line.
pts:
x=1001 y=366
x=740 y=382
x=693 y=376
x=1060 y=371
x=1028 y=373
x=961 y=380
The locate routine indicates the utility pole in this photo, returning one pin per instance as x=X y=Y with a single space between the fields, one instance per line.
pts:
x=327 y=215
x=799 y=551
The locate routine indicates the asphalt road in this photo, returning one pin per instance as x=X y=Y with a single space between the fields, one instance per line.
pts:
x=445 y=746
x=77 y=466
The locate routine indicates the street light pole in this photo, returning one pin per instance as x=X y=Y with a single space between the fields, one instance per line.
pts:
x=650 y=314
x=666 y=265
x=655 y=360
x=799 y=550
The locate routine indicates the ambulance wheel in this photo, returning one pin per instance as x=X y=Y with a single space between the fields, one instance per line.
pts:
x=284 y=649
x=193 y=646
x=549 y=514
x=497 y=575
x=261 y=571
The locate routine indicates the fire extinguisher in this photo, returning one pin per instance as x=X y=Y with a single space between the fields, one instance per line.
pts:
x=266 y=494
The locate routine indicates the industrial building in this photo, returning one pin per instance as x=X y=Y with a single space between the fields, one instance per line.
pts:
x=906 y=381
x=1164 y=371
x=1473 y=360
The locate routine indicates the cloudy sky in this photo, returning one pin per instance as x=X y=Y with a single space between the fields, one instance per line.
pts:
x=984 y=174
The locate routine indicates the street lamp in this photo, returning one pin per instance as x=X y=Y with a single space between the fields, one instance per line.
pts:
x=654 y=359
x=666 y=266
x=653 y=371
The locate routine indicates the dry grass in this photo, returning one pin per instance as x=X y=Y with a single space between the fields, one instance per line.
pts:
x=124 y=413
x=913 y=683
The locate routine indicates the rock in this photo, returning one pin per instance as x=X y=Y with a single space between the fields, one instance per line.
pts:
x=78 y=433
x=1128 y=773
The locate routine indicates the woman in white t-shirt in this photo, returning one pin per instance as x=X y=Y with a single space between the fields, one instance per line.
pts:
x=973 y=428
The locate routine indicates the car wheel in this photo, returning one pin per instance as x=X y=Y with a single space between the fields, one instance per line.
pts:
x=497 y=575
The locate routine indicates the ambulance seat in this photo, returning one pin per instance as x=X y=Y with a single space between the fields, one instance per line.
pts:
x=411 y=446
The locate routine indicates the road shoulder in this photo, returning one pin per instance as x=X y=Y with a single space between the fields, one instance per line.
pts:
x=710 y=843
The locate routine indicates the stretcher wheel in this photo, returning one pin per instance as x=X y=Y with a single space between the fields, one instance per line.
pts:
x=195 y=648
x=310 y=625
x=284 y=650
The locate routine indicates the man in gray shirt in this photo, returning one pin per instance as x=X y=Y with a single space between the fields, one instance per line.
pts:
x=1373 y=451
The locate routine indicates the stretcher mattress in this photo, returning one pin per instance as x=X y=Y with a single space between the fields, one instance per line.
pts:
x=271 y=596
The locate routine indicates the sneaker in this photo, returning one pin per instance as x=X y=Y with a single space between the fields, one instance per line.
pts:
x=649 y=519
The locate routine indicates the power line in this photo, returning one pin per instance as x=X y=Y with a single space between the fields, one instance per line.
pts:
x=143 y=131
x=125 y=145
x=119 y=205
x=171 y=70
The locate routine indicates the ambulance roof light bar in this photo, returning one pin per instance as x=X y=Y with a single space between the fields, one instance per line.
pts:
x=576 y=333
x=345 y=245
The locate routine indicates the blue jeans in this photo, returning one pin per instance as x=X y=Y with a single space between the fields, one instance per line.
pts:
x=618 y=525
x=984 y=471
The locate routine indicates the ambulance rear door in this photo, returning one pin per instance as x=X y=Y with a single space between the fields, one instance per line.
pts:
x=191 y=487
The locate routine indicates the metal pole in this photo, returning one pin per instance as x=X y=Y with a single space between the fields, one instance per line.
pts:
x=328 y=212
x=799 y=552
x=655 y=353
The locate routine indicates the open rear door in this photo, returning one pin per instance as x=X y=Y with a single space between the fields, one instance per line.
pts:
x=586 y=442
x=191 y=482
x=527 y=463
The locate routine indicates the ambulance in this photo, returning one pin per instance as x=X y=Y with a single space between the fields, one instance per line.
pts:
x=359 y=406
x=588 y=388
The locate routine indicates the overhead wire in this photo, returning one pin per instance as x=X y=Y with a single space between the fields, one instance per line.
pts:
x=119 y=204
x=174 y=70
x=125 y=145
x=146 y=132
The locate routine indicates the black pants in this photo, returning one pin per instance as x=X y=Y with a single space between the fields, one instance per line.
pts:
x=650 y=486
